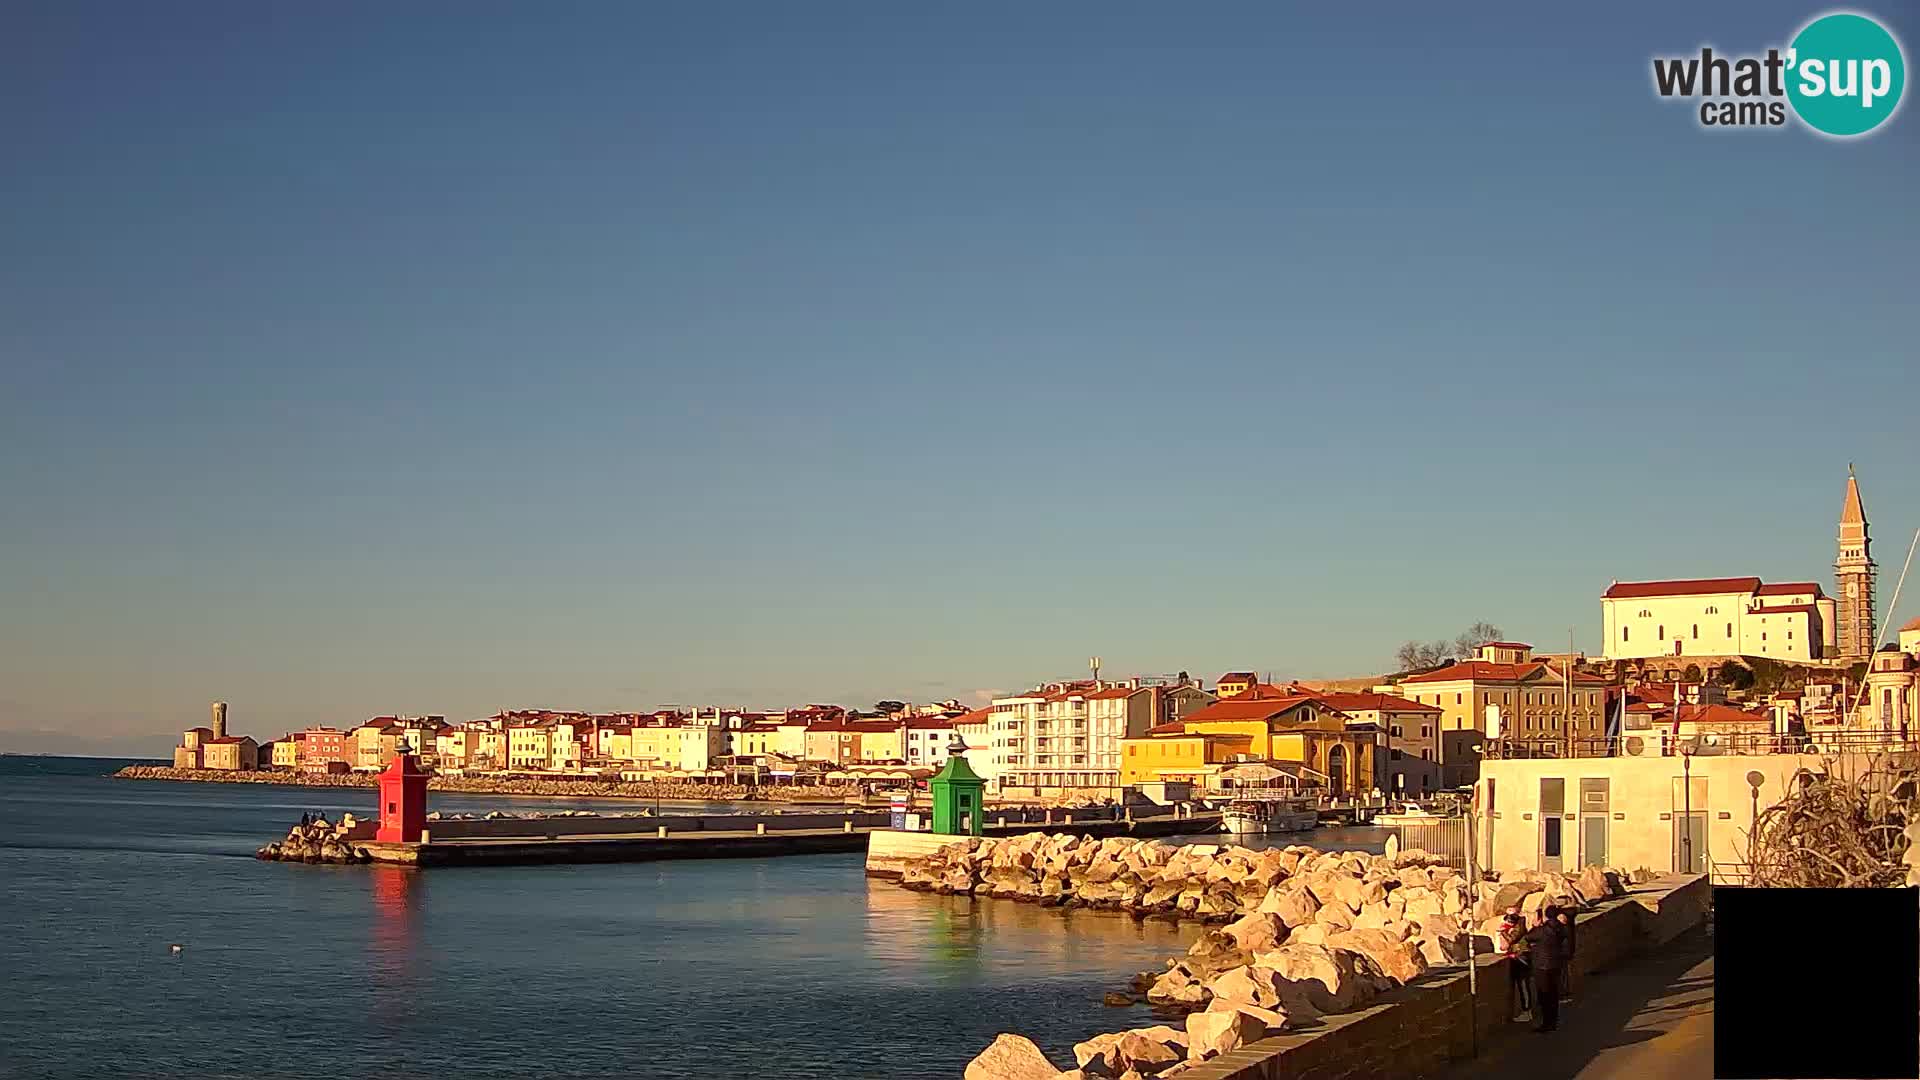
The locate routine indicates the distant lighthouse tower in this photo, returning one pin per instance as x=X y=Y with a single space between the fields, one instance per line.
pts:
x=1853 y=575
x=219 y=724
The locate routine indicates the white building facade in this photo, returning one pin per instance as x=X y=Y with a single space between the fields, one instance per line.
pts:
x=1061 y=737
x=1716 y=617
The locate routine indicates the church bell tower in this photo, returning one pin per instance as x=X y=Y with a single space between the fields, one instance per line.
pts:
x=1853 y=577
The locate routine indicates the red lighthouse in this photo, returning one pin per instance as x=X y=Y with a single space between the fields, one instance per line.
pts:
x=403 y=801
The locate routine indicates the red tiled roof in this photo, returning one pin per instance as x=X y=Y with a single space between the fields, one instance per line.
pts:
x=1171 y=727
x=1238 y=676
x=923 y=723
x=1242 y=707
x=1621 y=590
x=1507 y=645
x=977 y=716
x=1785 y=609
x=229 y=739
x=1112 y=692
x=1911 y=624
x=1722 y=714
x=1266 y=691
x=1789 y=588
x=1364 y=701
x=1488 y=671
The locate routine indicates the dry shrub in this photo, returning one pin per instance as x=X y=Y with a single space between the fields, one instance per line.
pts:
x=1840 y=828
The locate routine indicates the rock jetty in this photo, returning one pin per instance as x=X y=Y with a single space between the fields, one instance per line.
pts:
x=1294 y=933
x=318 y=841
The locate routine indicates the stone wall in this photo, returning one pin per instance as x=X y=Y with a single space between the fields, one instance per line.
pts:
x=1423 y=1027
x=889 y=850
x=507 y=828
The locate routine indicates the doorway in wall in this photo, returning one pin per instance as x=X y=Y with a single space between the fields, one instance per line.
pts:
x=1553 y=807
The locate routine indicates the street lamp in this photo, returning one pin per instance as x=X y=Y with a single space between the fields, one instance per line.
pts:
x=1686 y=796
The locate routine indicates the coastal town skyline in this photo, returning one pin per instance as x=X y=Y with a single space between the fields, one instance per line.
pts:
x=980 y=698
x=998 y=541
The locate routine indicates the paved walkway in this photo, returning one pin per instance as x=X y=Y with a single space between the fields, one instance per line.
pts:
x=1651 y=1017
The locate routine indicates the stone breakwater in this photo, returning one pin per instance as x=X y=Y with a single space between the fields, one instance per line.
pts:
x=1298 y=933
x=318 y=841
x=491 y=785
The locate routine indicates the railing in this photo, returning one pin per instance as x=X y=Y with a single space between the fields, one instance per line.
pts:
x=1661 y=743
x=1445 y=837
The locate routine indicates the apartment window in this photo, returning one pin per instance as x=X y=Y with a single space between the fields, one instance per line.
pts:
x=1456 y=699
x=1729 y=629
x=1625 y=634
x=1763 y=635
x=1661 y=632
x=1426 y=731
x=1789 y=635
x=1696 y=631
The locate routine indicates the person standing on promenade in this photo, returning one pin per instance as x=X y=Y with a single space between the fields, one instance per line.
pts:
x=1566 y=978
x=1513 y=942
x=1547 y=946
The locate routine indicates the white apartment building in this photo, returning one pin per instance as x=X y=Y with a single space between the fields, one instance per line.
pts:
x=924 y=740
x=1062 y=737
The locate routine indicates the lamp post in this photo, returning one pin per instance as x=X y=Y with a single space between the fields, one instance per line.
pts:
x=1755 y=778
x=1686 y=796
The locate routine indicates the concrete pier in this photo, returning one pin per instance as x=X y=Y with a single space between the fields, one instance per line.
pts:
x=531 y=841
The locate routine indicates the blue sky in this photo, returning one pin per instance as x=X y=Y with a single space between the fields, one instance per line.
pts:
x=447 y=357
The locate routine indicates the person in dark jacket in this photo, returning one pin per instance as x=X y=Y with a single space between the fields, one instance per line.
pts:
x=1566 y=976
x=1547 y=945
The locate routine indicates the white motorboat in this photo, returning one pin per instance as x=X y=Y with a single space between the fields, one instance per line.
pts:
x=1261 y=812
x=1415 y=814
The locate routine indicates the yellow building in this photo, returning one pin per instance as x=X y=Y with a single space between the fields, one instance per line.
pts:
x=1234 y=683
x=286 y=753
x=372 y=745
x=785 y=738
x=879 y=740
x=1528 y=698
x=230 y=753
x=683 y=748
x=529 y=745
x=188 y=754
x=1299 y=731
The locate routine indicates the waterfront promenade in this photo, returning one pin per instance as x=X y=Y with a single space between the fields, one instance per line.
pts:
x=1650 y=1017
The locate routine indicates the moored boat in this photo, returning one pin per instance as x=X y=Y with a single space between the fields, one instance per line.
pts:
x=1270 y=814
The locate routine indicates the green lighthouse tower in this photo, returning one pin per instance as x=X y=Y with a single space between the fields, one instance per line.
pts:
x=957 y=794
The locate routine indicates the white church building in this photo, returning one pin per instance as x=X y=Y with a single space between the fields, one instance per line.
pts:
x=1717 y=617
x=1743 y=616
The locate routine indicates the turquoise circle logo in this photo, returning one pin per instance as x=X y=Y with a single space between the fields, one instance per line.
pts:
x=1845 y=74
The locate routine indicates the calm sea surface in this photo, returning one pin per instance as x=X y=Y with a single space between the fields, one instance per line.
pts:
x=789 y=967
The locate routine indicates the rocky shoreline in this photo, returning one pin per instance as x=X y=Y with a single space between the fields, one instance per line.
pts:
x=318 y=841
x=1297 y=933
x=486 y=785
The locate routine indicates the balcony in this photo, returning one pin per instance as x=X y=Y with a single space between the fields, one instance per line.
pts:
x=1660 y=743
